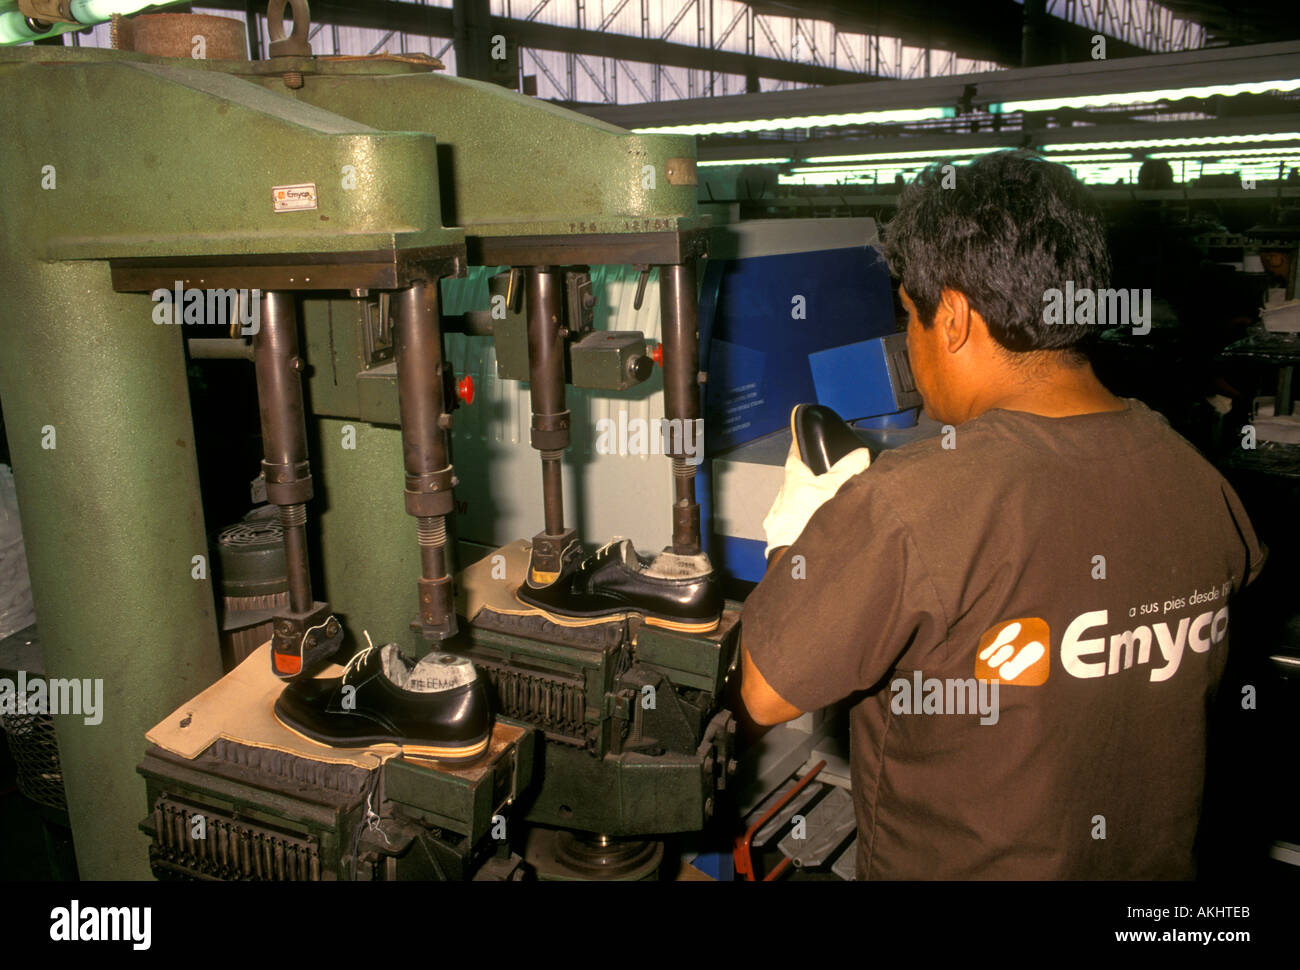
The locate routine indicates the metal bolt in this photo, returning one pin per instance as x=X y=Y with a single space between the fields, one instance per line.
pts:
x=293 y=80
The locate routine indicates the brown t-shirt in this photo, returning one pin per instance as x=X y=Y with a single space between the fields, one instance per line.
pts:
x=1084 y=564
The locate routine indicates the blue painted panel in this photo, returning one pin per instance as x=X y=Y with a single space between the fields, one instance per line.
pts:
x=719 y=865
x=853 y=380
x=741 y=558
x=758 y=351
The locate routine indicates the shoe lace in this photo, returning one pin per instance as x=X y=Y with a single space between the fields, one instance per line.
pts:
x=358 y=658
x=372 y=820
x=612 y=542
x=603 y=550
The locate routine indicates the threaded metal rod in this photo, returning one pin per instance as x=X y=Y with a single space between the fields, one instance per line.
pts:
x=431 y=530
x=417 y=340
x=431 y=534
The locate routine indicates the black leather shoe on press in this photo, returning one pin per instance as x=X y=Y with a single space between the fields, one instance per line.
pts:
x=435 y=709
x=671 y=591
x=822 y=436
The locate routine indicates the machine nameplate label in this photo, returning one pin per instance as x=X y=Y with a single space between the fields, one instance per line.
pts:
x=290 y=198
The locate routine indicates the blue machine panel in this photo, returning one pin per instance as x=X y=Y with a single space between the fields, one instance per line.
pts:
x=858 y=380
x=769 y=314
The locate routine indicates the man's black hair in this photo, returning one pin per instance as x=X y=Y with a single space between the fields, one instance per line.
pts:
x=1011 y=227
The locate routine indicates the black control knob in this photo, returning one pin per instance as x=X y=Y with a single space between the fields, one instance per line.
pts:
x=639 y=368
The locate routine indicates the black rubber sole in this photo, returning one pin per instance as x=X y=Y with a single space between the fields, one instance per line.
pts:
x=615 y=613
x=443 y=753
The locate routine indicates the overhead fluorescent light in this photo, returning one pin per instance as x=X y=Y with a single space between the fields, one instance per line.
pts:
x=902 y=163
x=962 y=156
x=1094 y=157
x=1148 y=97
x=852 y=169
x=810 y=121
x=883 y=176
x=1232 y=164
x=1174 y=142
x=714 y=163
x=928 y=153
x=1252 y=152
x=1103 y=174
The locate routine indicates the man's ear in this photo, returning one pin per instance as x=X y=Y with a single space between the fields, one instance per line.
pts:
x=954 y=315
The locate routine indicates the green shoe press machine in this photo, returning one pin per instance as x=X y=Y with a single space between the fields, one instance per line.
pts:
x=344 y=190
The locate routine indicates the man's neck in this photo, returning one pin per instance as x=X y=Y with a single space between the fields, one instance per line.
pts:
x=1059 y=392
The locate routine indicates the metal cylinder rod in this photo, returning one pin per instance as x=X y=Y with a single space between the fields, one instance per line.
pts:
x=679 y=312
x=552 y=492
x=418 y=349
x=431 y=534
x=550 y=427
x=293 y=521
x=278 y=369
x=417 y=342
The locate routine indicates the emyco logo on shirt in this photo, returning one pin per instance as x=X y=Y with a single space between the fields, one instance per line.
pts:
x=1015 y=652
x=1018 y=652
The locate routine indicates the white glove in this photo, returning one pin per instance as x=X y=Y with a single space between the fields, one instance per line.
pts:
x=803 y=493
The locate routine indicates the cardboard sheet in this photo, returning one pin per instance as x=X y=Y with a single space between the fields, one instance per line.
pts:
x=241 y=708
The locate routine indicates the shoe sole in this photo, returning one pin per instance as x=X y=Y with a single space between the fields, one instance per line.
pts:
x=681 y=626
x=447 y=755
x=444 y=754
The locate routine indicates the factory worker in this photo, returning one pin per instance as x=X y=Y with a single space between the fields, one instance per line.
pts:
x=1029 y=612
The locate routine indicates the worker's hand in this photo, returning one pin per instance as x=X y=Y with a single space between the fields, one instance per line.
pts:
x=803 y=493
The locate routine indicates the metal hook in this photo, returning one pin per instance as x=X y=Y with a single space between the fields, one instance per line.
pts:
x=297 y=43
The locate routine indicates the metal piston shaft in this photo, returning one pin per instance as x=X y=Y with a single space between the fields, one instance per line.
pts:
x=284 y=435
x=417 y=340
x=679 y=312
x=305 y=633
x=550 y=425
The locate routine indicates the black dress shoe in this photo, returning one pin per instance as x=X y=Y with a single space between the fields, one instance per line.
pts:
x=671 y=591
x=435 y=709
x=823 y=437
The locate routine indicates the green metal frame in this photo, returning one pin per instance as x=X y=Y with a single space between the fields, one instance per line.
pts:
x=168 y=160
x=165 y=168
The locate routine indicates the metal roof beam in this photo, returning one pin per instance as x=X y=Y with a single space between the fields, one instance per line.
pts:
x=426 y=21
